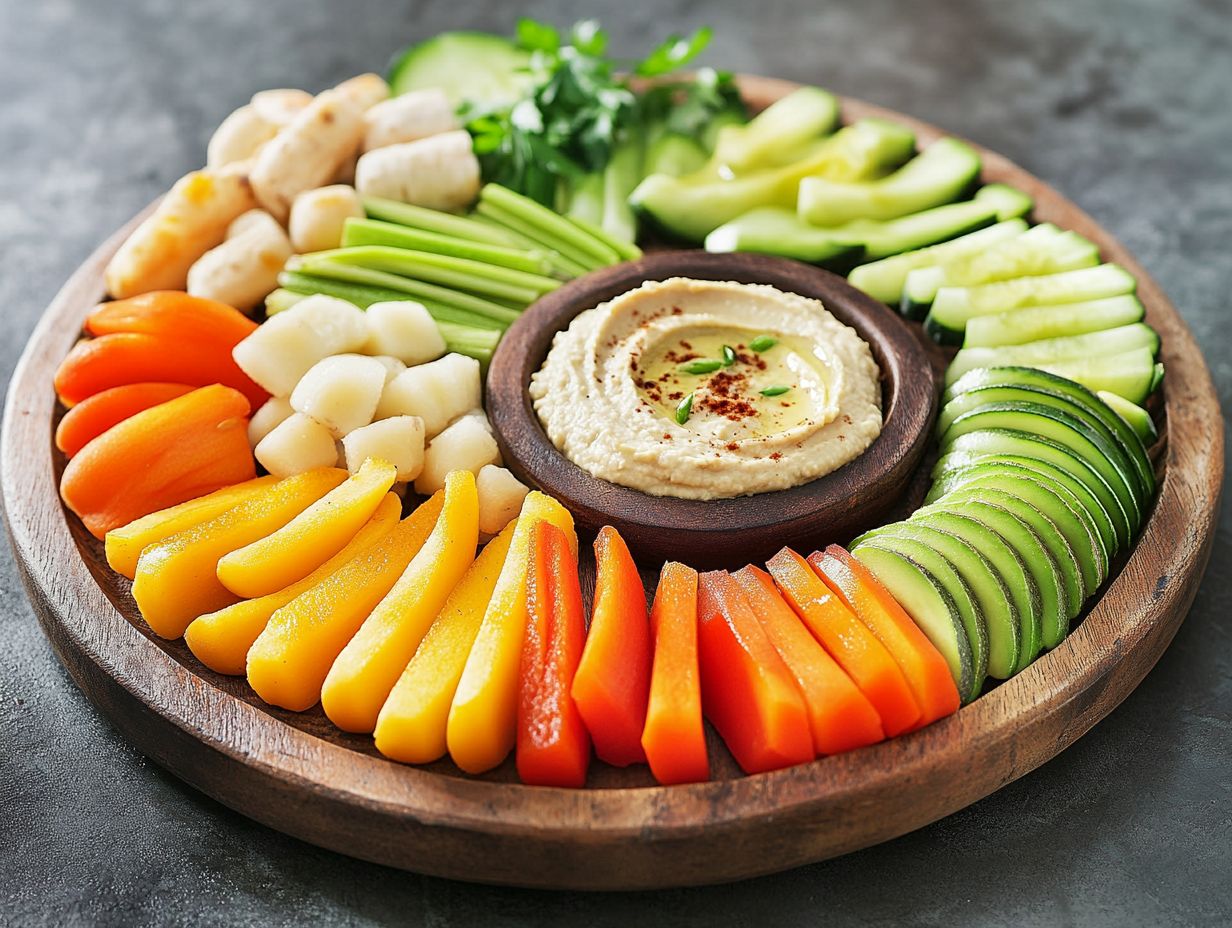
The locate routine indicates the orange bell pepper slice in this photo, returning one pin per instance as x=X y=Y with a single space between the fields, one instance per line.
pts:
x=172 y=312
x=612 y=685
x=848 y=640
x=840 y=716
x=553 y=747
x=748 y=693
x=96 y=414
x=923 y=665
x=121 y=358
x=674 y=738
x=170 y=453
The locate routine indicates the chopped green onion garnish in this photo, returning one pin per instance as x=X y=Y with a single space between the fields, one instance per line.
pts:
x=684 y=409
x=774 y=391
x=729 y=355
x=763 y=343
x=702 y=366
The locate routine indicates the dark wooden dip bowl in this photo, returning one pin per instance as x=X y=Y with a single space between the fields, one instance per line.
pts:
x=721 y=532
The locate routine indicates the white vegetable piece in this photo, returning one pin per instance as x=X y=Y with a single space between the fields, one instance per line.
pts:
x=317 y=217
x=407 y=118
x=500 y=498
x=437 y=392
x=399 y=440
x=296 y=444
x=279 y=107
x=404 y=329
x=307 y=153
x=282 y=350
x=465 y=445
x=364 y=90
x=482 y=418
x=393 y=367
x=439 y=172
x=273 y=412
x=238 y=137
x=243 y=270
x=340 y=392
x=191 y=219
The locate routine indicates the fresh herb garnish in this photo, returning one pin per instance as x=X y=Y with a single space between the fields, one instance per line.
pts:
x=684 y=409
x=701 y=366
x=774 y=391
x=763 y=343
x=729 y=356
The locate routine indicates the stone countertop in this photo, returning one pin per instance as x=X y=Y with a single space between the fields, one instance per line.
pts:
x=1121 y=105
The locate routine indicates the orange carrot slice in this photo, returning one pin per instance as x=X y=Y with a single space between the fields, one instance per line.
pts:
x=674 y=737
x=748 y=693
x=848 y=640
x=172 y=312
x=922 y=664
x=840 y=716
x=613 y=680
x=96 y=414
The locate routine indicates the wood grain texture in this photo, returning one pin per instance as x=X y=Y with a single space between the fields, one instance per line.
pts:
x=294 y=773
x=834 y=508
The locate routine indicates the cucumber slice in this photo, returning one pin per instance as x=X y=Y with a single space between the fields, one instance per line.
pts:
x=784 y=125
x=953 y=307
x=775 y=230
x=467 y=66
x=940 y=603
x=884 y=279
x=1157 y=377
x=1052 y=350
x=673 y=154
x=1131 y=374
x=937 y=175
x=989 y=589
x=1042 y=250
x=1035 y=323
x=918 y=229
x=1009 y=202
x=1134 y=416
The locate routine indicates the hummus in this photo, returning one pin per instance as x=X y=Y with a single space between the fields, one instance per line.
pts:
x=707 y=390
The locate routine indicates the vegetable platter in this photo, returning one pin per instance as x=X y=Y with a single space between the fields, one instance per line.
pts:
x=739 y=798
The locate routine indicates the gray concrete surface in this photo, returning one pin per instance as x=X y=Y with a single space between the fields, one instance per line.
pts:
x=1122 y=105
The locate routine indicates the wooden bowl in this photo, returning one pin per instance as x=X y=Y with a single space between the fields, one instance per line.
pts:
x=721 y=532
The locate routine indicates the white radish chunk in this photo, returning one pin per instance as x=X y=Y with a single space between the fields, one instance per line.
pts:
x=465 y=445
x=317 y=217
x=307 y=153
x=364 y=90
x=273 y=412
x=407 y=118
x=393 y=367
x=296 y=444
x=500 y=498
x=282 y=350
x=438 y=392
x=238 y=137
x=280 y=106
x=482 y=418
x=340 y=392
x=244 y=269
x=405 y=330
x=399 y=440
x=439 y=172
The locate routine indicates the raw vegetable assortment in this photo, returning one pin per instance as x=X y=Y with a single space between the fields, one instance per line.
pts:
x=389 y=568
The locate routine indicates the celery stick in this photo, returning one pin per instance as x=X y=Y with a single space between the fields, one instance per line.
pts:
x=626 y=249
x=620 y=177
x=578 y=261
x=431 y=220
x=586 y=198
x=557 y=227
x=376 y=232
x=280 y=300
x=364 y=296
x=562 y=267
x=474 y=343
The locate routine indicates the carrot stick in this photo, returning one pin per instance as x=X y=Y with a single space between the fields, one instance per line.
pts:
x=612 y=684
x=922 y=664
x=96 y=414
x=848 y=641
x=840 y=716
x=674 y=737
x=553 y=747
x=172 y=312
x=748 y=693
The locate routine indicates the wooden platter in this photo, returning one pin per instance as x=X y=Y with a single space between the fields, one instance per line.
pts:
x=295 y=773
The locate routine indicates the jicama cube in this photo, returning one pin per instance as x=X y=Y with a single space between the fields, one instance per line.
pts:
x=398 y=440
x=273 y=412
x=465 y=445
x=341 y=392
x=393 y=367
x=405 y=330
x=438 y=392
x=318 y=215
x=500 y=498
x=282 y=350
x=297 y=444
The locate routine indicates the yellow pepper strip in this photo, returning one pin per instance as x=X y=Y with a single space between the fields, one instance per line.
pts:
x=221 y=639
x=125 y=544
x=276 y=561
x=482 y=722
x=289 y=660
x=177 y=578
x=368 y=667
x=411 y=726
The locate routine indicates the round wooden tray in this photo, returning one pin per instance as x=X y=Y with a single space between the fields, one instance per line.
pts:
x=297 y=774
